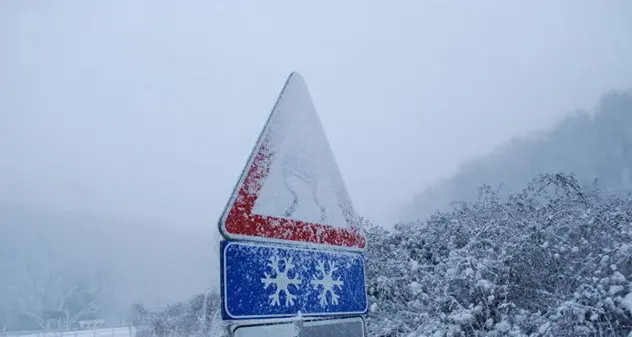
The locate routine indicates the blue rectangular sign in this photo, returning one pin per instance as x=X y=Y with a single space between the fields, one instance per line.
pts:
x=261 y=280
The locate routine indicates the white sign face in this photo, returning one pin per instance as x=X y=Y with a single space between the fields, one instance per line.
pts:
x=303 y=182
x=342 y=327
x=291 y=188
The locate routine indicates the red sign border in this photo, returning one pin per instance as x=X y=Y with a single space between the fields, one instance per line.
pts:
x=240 y=222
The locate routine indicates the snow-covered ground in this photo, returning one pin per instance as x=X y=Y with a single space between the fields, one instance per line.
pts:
x=125 y=331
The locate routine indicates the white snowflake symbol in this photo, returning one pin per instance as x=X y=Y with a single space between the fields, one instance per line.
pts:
x=327 y=282
x=281 y=281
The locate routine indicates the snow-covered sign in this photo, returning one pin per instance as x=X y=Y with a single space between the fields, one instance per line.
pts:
x=272 y=281
x=291 y=189
x=339 y=327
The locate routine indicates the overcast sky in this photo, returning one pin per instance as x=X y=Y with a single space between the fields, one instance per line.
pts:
x=150 y=108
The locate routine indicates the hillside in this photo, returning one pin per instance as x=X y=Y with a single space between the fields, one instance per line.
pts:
x=590 y=144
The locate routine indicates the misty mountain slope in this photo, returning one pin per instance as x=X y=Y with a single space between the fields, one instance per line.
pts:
x=591 y=146
x=137 y=261
x=552 y=260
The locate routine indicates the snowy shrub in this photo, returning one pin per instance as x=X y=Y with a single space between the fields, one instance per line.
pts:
x=552 y=260
x=186 y=319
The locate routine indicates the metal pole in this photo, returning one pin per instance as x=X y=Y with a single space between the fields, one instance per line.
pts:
x=299 y=327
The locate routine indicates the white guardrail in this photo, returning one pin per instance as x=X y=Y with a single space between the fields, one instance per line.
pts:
x=125 y=331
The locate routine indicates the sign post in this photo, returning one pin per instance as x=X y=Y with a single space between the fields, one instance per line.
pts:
x=293 y=242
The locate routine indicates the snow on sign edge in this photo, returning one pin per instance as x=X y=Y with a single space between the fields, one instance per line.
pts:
x=238 y=221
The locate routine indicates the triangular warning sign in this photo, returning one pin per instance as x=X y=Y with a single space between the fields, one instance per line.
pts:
x=291 y=189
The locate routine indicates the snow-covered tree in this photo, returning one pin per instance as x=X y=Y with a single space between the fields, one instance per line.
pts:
x=52 y=300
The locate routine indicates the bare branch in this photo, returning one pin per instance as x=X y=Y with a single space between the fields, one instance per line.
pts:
x=68 y=293
x=23 y=309
x=36 y=288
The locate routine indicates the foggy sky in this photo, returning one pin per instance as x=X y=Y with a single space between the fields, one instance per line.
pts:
x=150 y=108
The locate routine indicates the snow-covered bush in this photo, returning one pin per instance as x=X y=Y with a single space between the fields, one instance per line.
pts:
x=186 y=319
x=552 y=260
